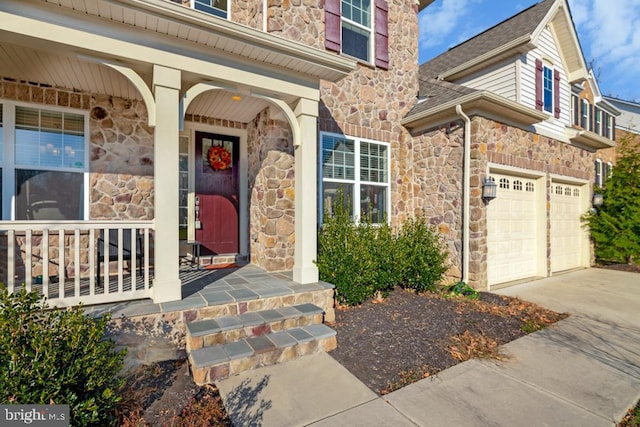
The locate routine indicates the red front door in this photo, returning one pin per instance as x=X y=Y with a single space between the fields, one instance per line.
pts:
x=217 y=184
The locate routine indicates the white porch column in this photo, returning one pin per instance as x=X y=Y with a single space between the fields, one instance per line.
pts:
x=304 y=269
x=166 y=87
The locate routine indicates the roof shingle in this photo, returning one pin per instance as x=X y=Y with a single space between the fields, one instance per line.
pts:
x=511 y=29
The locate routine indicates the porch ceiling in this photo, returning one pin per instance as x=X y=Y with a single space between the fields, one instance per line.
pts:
x=67 y=69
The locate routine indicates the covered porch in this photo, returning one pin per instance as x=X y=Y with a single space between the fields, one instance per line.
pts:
x=144 y=96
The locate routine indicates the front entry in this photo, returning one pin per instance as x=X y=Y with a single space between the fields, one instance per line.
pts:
x=217 y=192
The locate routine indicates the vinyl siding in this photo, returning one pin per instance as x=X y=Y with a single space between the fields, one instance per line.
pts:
x=547 y=50
x=499 y=79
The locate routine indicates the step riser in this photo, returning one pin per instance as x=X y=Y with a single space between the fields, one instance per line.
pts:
x=210 y=374
x=224 y=337
x=321 y=298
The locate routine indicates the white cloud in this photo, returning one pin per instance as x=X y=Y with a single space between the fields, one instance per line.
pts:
x=440 y=21
x=611 y=37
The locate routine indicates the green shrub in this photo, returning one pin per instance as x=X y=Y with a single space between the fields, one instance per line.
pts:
x=344 y=256
x=366 y=259
x=57 y=356
x=421 y=251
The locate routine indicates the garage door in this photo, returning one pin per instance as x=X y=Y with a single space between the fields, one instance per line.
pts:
x=512 y=230
x=566 y=231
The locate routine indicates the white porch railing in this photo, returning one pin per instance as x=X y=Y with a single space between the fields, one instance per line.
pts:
x=61 y=260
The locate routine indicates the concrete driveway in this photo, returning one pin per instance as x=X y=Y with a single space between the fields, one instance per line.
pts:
x=606 y=295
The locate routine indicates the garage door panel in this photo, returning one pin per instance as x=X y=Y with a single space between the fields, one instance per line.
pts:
x=512 y=228
x=566 y=227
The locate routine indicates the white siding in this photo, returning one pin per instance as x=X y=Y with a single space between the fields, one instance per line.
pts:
x=499 y=79
x=547 y=50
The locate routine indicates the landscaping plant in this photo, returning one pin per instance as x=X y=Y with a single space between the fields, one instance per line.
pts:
x=615 y=226
x=421 y=251
x=57 y=356
x=364 y=260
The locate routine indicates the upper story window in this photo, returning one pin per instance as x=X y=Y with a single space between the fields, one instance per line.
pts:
x=599 y=181
x=597 y=120
x=584 y=114
x=358 y=28
x=575 y=109
x=609 y=124
x=214 y=7
x=547 y=78
x=44 y=164
x=361 y=169
x=547 y=89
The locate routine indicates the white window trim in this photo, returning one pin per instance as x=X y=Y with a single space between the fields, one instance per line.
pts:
x=370 y=30
x=8 y=163
x=192 y=5
x=609 y=127
x=356 y=181
x=598 y=120
x=584 y=118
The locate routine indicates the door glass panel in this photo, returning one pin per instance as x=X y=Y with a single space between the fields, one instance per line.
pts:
x=183 y=194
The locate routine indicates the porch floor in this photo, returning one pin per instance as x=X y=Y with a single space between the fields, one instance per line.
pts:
x=202 y=288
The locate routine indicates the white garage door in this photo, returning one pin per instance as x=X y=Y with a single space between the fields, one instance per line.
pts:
x=566 y=231
x=512 y=230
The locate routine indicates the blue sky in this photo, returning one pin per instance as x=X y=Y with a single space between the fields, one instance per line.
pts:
x=609 y=35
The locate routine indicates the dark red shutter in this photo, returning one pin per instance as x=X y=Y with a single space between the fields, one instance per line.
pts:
x=382 y=34
x=539 y=84
x=556 y=94
x=332 y=27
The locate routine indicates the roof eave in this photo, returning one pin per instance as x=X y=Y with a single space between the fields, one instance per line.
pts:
x=424 y=3
x=323 y=65
x=476 y=103
x=514 y=47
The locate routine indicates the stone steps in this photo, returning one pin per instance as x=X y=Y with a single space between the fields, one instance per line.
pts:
x=226 y=329
x=227 y=345
x=220 y=361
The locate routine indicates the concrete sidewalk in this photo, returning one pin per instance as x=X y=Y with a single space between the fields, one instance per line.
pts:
x=583 y=371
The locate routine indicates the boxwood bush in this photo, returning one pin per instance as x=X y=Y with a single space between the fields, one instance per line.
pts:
x=365 y=259
x=57 y=356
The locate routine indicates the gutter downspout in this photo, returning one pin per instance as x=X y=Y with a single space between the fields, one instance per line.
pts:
x=465 y=192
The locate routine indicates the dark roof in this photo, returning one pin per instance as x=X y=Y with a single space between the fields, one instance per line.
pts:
x=511 y=29
x=437 y=92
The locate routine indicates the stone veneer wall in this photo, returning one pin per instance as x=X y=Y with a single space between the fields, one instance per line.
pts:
x=299 y=20
x=506 y=145
x=272 y=193
x=437 y=187
x=438 y=180
x=121 y=160
x=370 y=103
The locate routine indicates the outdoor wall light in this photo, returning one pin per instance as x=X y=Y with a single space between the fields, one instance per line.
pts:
x=489 y=189
x=597 y=201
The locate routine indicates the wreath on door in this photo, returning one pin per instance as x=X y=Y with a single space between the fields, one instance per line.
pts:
x=219 y=158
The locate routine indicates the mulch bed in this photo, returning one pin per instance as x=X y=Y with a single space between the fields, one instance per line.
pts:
x=407 y=336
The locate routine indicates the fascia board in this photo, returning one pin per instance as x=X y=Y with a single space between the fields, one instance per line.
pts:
x=514 y=47
x=476 y=103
